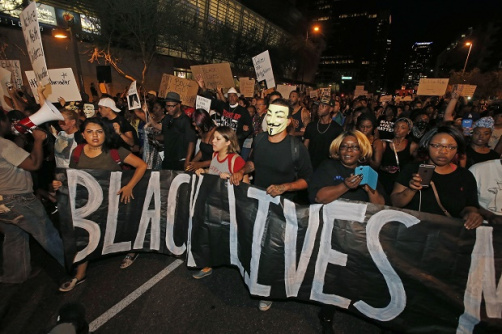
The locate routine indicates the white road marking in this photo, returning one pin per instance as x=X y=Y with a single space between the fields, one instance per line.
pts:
x=114 y=310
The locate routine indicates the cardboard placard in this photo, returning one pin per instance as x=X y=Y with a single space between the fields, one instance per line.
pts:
x=326 y=91
x=33 y=39
x=285 y=90
x=246 y=86
x=62 y=84
x=407 y=98
x=466 y=90
x=263 y=69
x=203 y=103
x=133 y=101
x=14 y=66
x=214 y=75
x=5 y=78
x=386 y=98
x=313 y=93
x=186 y=88
x=432 y=87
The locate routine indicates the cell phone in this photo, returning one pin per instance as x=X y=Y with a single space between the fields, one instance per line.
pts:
x=370 y=177
x=467 y=126
x=426 y=171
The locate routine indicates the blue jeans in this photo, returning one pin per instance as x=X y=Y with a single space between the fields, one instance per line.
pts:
x=20 y=216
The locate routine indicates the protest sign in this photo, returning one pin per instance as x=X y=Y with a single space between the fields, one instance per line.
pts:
x=263 y=69
x=5 y=81
x=246 y=86
x=466 y=90
x=215 y=75
x=62 y=84
x=432 y=87
x=133 y=101
x=285 y=90
x=386 y=98
x=186 y=88
x=203 y=103
x=313 y=93
x=14 y=66
x=407 y=98
x=360 y=91
x=325 y=91
x=408 y=270
x=33 y=39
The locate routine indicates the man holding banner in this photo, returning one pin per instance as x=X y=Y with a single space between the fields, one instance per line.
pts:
x=280 y=162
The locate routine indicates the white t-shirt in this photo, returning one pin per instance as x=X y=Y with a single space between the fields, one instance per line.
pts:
x=494 y=139
x=488 y=176
x=13 y=180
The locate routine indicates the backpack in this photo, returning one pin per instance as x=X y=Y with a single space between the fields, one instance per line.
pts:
x=114 y=153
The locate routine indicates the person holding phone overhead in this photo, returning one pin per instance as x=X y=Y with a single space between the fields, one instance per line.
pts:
x=452 y=191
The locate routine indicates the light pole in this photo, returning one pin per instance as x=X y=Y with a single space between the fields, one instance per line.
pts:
x=469 y=44
x=68 y=33
x=315 y=29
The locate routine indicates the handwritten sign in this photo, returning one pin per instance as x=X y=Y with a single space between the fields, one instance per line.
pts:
x=313 y=93
x=62 y=84
x=186 y=88
x=203 y=103
x=386 y=98
x=5 y=78
x=246 y=86
x=326 y=91
x=263 y=69
x=33 y=39
x=14 y=67
x=285 y=90
x=133 y=97
x=215 y=75
x=466 y=90
x=432 y=87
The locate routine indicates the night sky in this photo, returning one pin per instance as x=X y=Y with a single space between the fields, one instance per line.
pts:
x=438 y=21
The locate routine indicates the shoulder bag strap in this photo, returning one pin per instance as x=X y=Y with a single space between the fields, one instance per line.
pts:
x=433 y=186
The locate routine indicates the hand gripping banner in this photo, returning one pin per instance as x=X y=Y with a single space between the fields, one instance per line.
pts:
x=413 y=271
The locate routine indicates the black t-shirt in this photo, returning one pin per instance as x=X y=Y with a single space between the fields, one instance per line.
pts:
x=474 y=157
x=178 y=133
x=274 y=163
x=456 y=191
x=320 y=137
x=125 y=126
x=385 y=128
x=331 y=173
x=235 y=118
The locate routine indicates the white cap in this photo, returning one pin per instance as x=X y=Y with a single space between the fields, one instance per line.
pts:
x=107 y=102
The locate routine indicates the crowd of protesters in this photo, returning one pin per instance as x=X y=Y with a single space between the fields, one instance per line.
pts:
x=306 y=149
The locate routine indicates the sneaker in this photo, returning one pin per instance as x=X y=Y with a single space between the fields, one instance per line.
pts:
x=203 y=273
x=265 y=305
x=71 y=283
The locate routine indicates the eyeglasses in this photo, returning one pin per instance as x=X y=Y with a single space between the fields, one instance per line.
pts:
x=354 y=148
x=446 y=147
x=171 y=105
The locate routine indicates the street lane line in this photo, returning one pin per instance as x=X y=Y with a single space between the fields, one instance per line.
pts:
x=115 y=309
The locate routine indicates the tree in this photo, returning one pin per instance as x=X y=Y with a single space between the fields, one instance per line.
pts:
x=489 y=84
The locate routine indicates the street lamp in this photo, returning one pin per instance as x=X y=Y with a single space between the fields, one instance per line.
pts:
x=469 y=44
x=315 y=29
x=68 y=33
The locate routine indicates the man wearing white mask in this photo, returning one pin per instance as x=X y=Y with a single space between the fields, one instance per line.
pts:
x=280 y=161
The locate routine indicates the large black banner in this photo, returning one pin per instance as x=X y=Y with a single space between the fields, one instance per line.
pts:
x=418 y=273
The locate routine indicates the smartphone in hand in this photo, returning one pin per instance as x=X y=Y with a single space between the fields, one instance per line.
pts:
x=370 y=177
x=426 y=171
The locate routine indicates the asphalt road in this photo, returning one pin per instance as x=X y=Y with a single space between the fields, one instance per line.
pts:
x=160 y=297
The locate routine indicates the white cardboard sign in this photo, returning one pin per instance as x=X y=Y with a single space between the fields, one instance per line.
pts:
x=133 y=101
x=285 y=90
x=33 y=39
x=62 y=84
x=202 y=103
x=14 y=66
x=432 y=86
x=263 y=69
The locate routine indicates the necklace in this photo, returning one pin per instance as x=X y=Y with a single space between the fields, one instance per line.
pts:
x=323 y=132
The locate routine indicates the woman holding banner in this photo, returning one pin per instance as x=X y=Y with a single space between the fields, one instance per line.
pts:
x=96 y=154
x=335 y=179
